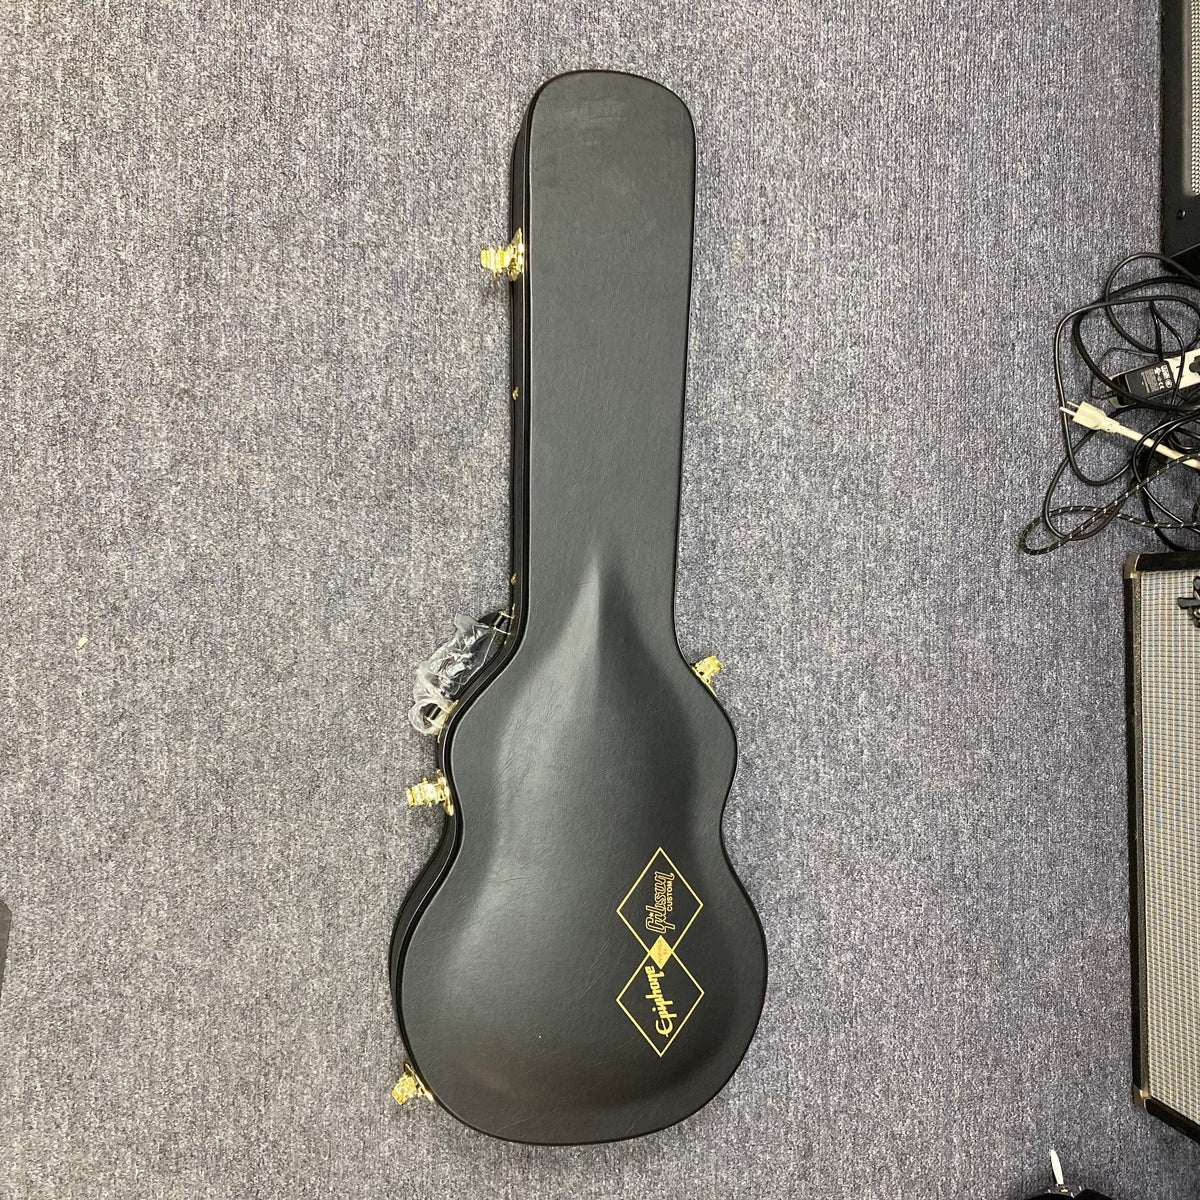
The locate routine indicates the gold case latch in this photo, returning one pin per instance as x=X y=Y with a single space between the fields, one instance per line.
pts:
x=409 y=1086
x=427 y=793
x=706 y=669
x=504 y=260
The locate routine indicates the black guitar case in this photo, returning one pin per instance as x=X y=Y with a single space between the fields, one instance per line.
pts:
x=579 y=962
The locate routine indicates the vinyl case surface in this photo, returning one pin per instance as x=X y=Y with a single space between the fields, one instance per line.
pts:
x=579 y=962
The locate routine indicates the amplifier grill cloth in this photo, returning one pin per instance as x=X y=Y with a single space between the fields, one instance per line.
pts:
x=1191 y=74
x=1168 y=654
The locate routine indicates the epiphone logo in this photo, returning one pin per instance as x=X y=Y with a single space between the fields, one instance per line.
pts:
x=662 y=993
x=665 y=1022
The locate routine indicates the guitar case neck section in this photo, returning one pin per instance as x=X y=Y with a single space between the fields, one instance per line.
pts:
x=580 y=963
x=611 y=168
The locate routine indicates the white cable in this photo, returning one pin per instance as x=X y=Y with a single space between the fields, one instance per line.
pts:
x=1091 y=417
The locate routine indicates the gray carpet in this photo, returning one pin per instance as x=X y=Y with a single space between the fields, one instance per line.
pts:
x=254 y=459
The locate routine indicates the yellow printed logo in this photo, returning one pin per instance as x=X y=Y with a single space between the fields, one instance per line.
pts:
x=662 y=993
x=664 y=904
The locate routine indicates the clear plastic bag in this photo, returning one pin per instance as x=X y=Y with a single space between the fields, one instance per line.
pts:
x=443 y=675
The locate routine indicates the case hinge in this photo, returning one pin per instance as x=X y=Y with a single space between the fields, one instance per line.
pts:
x=706 y=669
x=504 y=260
x=409 y=1086
x=427 y=793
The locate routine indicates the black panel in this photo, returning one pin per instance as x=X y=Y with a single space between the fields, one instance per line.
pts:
x=1136 y=875
x=1180 y=205
x=1173 y=1118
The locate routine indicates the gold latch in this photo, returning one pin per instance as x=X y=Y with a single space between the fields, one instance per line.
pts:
x=428 y=793
x=504 y=260
x=409 y=1086
x=706 y=669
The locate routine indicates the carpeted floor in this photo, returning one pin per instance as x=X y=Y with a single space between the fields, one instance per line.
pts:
x=254 y=460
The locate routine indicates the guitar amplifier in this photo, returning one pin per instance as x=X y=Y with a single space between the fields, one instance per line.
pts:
x=1162 y=605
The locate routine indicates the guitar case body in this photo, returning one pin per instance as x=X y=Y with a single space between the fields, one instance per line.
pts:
x=578 y=962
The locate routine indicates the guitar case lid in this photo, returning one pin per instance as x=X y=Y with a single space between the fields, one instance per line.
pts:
x=579 y=962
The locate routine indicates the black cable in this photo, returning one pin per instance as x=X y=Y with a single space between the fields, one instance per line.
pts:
x=1168 y=302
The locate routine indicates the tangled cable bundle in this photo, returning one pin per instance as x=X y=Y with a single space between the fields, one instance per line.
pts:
x=1152 y=321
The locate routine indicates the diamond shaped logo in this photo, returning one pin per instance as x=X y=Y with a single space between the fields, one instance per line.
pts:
x=661 y=905
x=660 y=952
x=662 y=993
x=659 y=1000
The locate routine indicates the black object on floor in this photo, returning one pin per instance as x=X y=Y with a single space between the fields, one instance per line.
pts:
x=1060 y=1187
x=1074 y=1193
x=1180 y=160
x=1148 y=314
x=579 y=963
